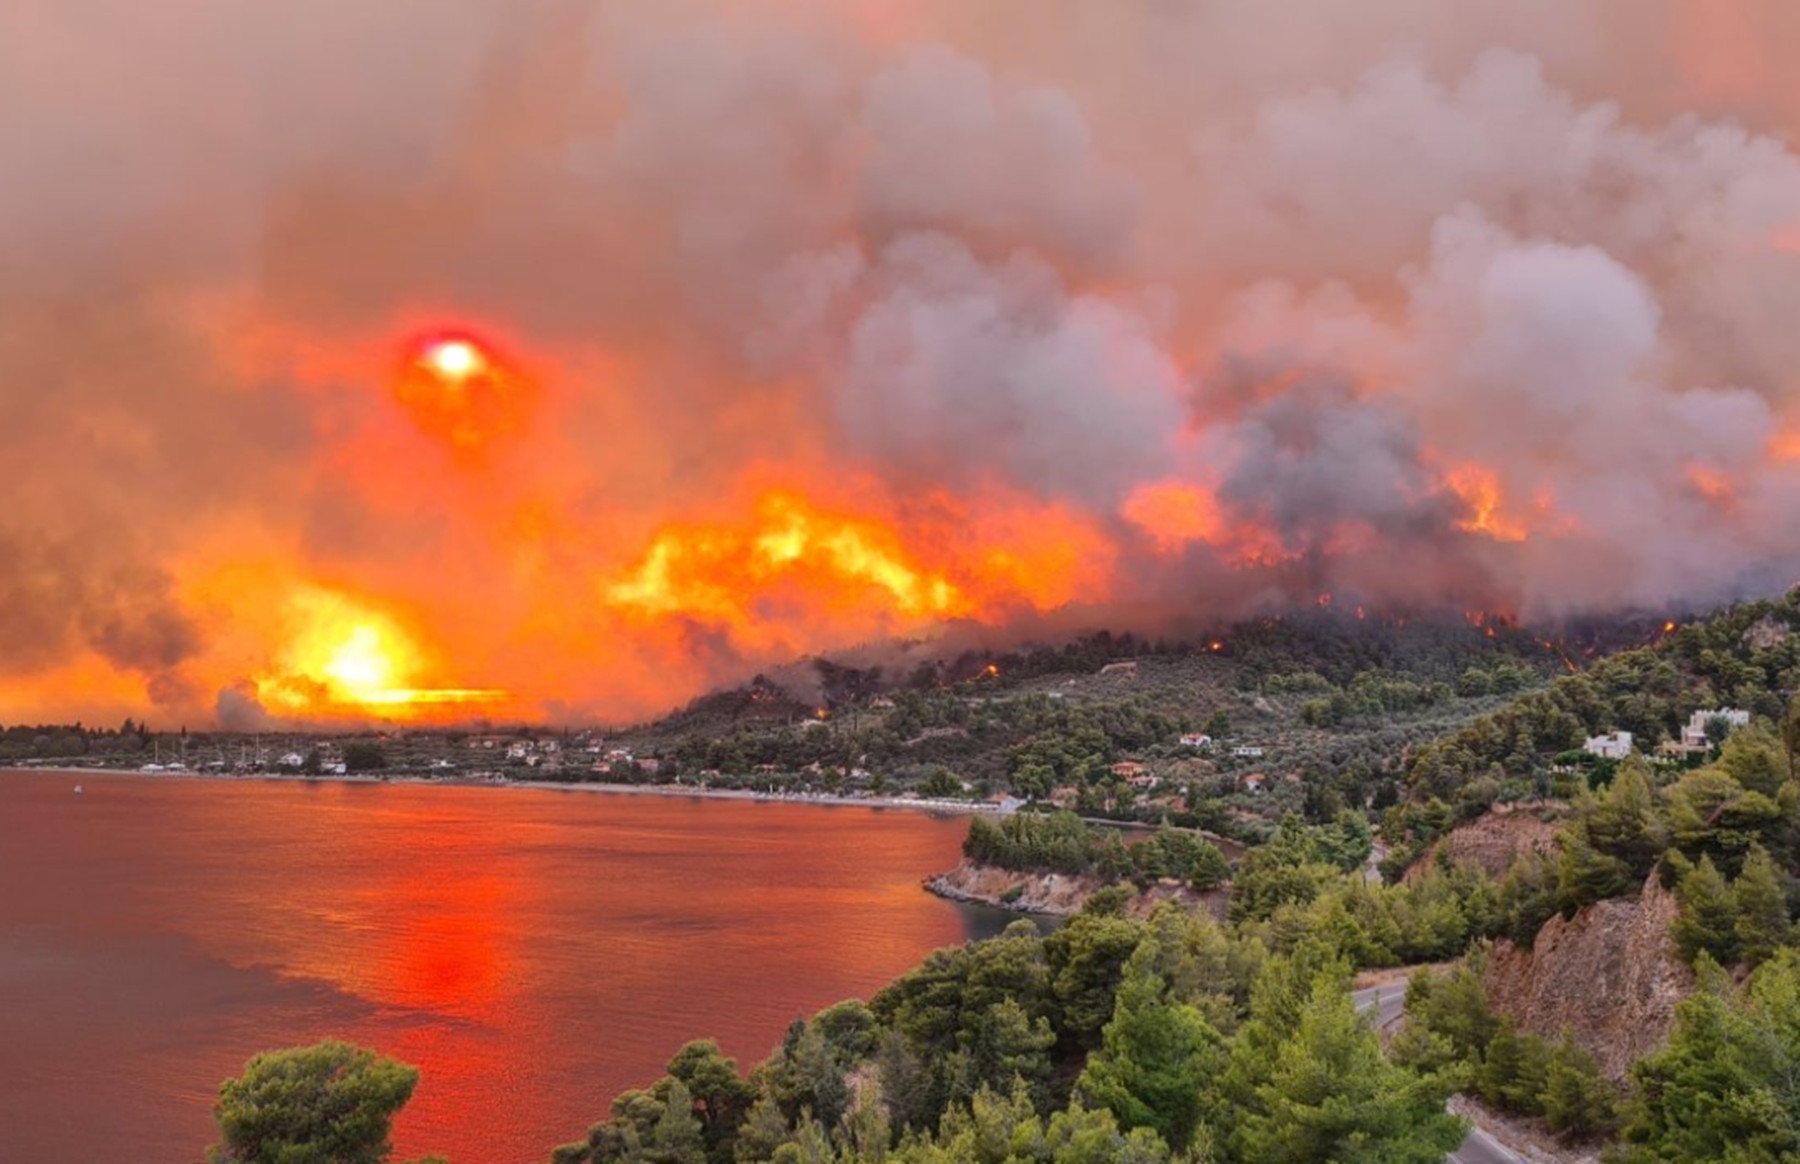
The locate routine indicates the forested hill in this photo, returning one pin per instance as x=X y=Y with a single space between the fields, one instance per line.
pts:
x=1747 y=656
x=1323 y=702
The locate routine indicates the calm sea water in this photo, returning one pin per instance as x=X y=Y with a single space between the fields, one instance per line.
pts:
x=533 y=952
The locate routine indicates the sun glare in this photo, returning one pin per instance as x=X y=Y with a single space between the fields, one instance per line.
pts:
x=361 y=664
x=453 y=359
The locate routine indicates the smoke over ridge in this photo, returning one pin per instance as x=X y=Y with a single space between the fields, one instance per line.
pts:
x=799 y=324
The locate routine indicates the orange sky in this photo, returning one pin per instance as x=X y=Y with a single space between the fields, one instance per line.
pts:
x=562 y=360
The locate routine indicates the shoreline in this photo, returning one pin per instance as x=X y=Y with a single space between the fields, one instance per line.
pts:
x=823 y=800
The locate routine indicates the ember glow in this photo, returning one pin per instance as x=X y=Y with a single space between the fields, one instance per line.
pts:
x=569 y=361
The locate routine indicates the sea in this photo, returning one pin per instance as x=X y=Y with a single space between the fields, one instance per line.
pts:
x=533 y=952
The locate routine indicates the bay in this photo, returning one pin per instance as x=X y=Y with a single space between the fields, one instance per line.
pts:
x=533 y=952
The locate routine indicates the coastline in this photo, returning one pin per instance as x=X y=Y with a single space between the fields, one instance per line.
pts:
x=1058 y=895
x=956 y=807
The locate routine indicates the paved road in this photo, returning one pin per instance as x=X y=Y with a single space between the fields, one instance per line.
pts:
x=1385 y=1003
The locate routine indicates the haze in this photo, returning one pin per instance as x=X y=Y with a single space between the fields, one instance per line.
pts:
x=556 y=359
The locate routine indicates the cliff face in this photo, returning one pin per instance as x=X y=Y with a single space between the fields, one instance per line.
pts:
x=1609 y=974
x=1491 y=842
x=1054 y=894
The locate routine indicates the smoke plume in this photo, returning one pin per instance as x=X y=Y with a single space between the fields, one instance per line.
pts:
x=800 y=324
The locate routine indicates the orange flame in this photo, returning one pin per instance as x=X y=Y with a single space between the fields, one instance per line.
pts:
x=712 y=572
x=1710 y=483
x=349 y=657
x=1478 y=488
x=1177 y=514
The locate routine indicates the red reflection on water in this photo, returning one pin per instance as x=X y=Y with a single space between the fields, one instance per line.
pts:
x=532 y=953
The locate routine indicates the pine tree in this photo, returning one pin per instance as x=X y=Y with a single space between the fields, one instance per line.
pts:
x=1762 y=913
x=1512 y=1074
x=1707 y=920
x=1576 y=1101
x=1330 y=1095
x=678 y=1137
x=1156 y=1058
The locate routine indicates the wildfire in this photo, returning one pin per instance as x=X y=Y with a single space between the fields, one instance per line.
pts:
x=346 y=656
x=717 y=573
x=1710 y=483
x=1479 y=491
x=1179 y=514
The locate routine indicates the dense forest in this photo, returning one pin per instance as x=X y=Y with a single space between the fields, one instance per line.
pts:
x=1747 y=656
x=1108 y=1040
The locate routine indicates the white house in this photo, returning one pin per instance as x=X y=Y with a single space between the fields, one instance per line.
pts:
x=1693 y=736
x=1198 y=740
x=1613 y=746
x=291 y=760
x=1246 y=751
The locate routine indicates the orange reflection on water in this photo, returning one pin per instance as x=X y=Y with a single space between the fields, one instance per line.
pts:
x=532 y=953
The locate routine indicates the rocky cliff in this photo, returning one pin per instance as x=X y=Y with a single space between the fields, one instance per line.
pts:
x=1493 y=842
x=1609 y=975
x=1055 y=894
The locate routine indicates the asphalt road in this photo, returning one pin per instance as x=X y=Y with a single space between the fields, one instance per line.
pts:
x=1385 y=1004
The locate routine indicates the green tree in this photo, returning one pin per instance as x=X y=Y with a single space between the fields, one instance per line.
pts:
x=1762 y=925
x=1331 y=1097
x=718 y=1097
x=1512 y=1074
x=1790 y=736
x=1156 y=1058
x=1577 y=1102
x=1727 y=1085
x=1707 y=919
x=330 y=1103
x=364 y=758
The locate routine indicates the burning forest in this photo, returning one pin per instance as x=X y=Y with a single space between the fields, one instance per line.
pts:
x=565 y=359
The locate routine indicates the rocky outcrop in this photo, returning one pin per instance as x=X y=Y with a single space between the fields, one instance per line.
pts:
x=1055 y=894
x=1609 y=975
x=1491 y=842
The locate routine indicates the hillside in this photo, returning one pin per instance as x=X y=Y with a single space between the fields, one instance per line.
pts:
x=1308 y=713
x=1746 y=656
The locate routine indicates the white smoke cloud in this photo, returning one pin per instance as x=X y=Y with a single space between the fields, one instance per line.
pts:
x=1318 y=257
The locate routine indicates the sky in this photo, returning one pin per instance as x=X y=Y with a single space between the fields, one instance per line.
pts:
x=563 y=359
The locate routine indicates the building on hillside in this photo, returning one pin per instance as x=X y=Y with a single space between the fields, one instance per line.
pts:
x=1254 y=782
x=1129 y=769
x=1694 y=737
x=1199 y=741
x=1612 y=746
x=1005 y=804
x=1247 y=752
